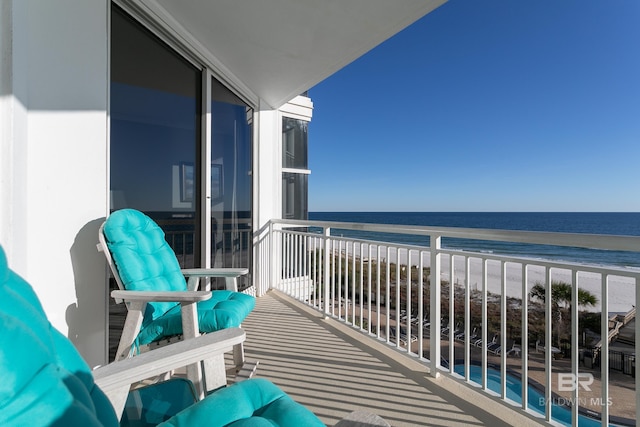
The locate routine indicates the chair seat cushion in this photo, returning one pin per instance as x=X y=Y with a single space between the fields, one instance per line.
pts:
x=225 y=309
x=256 y=402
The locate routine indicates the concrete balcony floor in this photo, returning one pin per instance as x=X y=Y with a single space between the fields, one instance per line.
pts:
x=333 y=370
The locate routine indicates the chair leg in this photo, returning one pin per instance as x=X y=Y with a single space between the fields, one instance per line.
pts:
x=238 y=355
x=248 y=371
x=131 y=329
x=215 y=373
x=190 y=330
x=194 y=374
x=119 y=399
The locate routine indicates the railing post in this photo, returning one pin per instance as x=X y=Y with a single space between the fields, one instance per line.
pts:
x=434 y=301
x=548 y=335
x=327 y=273
x=637 y=346
x=574 y=344
x=604 y=350
x=524 y=344
x=274 y=258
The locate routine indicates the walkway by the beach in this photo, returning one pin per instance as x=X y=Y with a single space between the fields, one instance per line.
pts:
x=334 y=370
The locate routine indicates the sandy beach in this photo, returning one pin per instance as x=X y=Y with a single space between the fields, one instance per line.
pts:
x=621 y=289
x=622 y=295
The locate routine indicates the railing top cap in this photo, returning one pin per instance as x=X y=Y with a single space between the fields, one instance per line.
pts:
x=582 y=240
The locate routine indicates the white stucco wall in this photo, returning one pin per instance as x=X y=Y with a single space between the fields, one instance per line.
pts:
x=268 y=156
x=267 y=161
x=53 y=153
x=54 y=158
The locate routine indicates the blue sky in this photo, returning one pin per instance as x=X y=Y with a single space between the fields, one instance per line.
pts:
x=497 y=105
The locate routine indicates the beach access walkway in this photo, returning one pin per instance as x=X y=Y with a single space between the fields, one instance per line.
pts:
x=334 y=370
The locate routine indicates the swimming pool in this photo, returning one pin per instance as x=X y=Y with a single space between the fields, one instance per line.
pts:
x=535 y=399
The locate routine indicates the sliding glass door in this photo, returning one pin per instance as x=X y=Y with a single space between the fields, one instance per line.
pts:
x=231 y=189
x=160 y=154
x=155 y=134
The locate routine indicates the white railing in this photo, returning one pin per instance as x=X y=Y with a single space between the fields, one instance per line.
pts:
x=468 y=314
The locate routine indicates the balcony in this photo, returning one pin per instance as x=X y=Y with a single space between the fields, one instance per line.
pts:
x=333 y=370
x=361 y=322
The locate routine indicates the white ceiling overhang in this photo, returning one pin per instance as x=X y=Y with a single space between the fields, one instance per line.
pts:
x=278 y=49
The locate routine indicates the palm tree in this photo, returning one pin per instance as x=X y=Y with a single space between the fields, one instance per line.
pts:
x=561 y=295
x=561 y=299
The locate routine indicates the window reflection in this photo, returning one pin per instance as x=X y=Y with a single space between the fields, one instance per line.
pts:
x=294 y=157
x=156 y=144
x=155 y=129
x=294 y=143
x=294 y=196
x=231 y=180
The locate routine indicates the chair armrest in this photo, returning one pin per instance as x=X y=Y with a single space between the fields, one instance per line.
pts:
x=164 y=296
x=215 y=272
x=112 y=378
x=230 y=274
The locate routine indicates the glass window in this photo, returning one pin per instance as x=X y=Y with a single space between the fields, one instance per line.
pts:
x=231 y=180
x=294 y=143
x=294 y=156
x=155 y=133
x=294 y=195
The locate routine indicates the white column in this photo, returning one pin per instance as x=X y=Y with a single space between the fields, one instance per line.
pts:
x=53 y=106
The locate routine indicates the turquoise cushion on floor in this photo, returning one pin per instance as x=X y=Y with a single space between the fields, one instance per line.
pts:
x=251 y=403
x=225 y=309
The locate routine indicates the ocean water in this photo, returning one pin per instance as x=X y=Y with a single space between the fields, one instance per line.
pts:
x=615 y=223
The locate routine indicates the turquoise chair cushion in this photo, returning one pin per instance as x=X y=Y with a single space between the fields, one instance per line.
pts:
x=146 y=262
x=225 y=309
x=44 y=379
x=143 y=258
x=251 y=403
x=45 y=382
x=150 y=405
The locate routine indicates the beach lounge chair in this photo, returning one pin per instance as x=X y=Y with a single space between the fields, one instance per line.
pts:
x=462 y=336
x=514 y=351
x=426 y=327
x=47 y=383
x=494 y=346
x=404 y=339
x=161 y=303
x=445 y=330
x=455 y=332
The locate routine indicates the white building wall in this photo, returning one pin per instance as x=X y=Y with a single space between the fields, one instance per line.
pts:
x=53 y=153
x=300 y=107
x=54 y=85
x=268 y=157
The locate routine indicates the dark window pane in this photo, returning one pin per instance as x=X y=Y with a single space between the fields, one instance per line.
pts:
x=294 y=143
x=155 y=129
x=294 y=196
x=231 y=180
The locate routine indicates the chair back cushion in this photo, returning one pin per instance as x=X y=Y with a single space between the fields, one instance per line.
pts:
x=44 y=379
x=143 y=258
